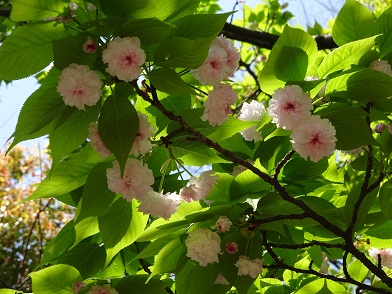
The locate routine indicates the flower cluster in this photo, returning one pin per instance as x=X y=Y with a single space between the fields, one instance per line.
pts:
x=249 y=267
x=311 y=136
x=252 y=111
x=385 y=255
x=223 y=224
x=79 y=86
x=203 y=246
x=198 y=188
x=221 y=63
x=159 y=204
x=124 y=58
x=136 y=181
x=217 y=106
x=142 y=144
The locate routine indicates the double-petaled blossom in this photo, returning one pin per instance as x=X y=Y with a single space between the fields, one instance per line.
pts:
x=221 y=63
x=382 y=66
x=77 y=286
x=142 y=144
x=203 y=246
x=217 y=106
x=233 y=56
x=289 y=106
x=249 y=267
x=198 y=188
x=124 y=58
x=252 y=111
x=385 y=255
x=79 y=86
x=102 y=289
x=96 y=141
x=314 y=138
x=223 y=224
x=136 y=181
x=159 y=204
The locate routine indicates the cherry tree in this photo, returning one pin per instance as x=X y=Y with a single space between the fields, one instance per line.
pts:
x=206 y=157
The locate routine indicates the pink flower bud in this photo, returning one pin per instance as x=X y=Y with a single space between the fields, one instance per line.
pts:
x=232 y=247
x=89 y=46
x=379 y=128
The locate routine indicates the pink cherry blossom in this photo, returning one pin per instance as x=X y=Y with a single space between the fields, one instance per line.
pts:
x=223 y=224
x=385 y=254
x=203 y=246
x=231 y=247
x=220 y=279
x=124 y=58
x=249 y=267
x=79 y=86
x=99 y=289
x=142 y=144
x=198 y=188
x=136 y=182
x=159 y=204
x=382 y=66
x=214 y=69
x=233 y=56
x=217 y=106
x=96 y=141
x=289 y=106
x=314 y=138
x=252 y=111
x=89 y=46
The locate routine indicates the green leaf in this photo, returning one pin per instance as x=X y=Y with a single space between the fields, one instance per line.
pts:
x=323 y=286
x=194 y=153
x=385 y=199
x=86 y=228
x=24 y=10
x=87 y=258
x=182 y=52
x=383 y=26
x=172 y=9
x=149 y=31
x=353 y=22
x=138 y=224
x=96 y=195
x=129 y=9
x=155 y=247
x=194 y=26
x=351 y=128
x=71 y=134
x=167 y=258
x=138 y=284
x=300 y=169
x=358 y=271
x=118 y=216
x=118 y=125
x=344 y=56
x=69 y=174
x=279 y=67
x=188 y=278
x=362 y=85
x=168 y=81
x=55 y=279
x=28 y=50
x=70 y=50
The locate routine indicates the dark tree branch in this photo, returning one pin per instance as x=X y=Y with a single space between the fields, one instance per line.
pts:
x=267 y=40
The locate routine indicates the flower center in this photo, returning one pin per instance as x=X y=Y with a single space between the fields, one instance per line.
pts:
x=315 y=140
x=290 y=106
